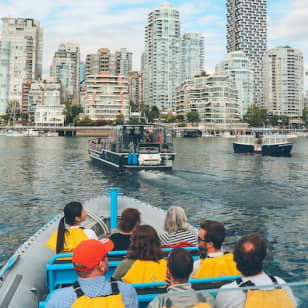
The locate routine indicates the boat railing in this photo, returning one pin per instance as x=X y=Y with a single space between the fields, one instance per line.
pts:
x=265 y=140
x=299 y=290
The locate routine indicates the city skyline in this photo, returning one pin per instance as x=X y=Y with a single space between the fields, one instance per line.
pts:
x=120 y=24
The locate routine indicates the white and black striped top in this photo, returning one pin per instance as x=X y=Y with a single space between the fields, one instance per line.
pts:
x=190 y=235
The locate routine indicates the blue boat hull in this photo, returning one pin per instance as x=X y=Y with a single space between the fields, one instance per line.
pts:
x=277 y=149
x=274 y=150
x=243 y=148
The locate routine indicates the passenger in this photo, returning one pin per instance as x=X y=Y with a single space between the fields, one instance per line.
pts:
x=145 y=262
x=177 y=231
x=69 y=233
x=213 y=262
x=130 y=218
x=90 y=261
x=249 y=253
x=179 y=267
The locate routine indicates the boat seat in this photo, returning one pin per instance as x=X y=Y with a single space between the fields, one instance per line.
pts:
x=58 y=274
x=148 y=291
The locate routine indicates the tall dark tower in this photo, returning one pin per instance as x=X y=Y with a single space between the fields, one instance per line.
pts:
x=247 y=31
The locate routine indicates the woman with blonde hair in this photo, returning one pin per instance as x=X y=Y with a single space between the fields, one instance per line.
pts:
x=177 y=231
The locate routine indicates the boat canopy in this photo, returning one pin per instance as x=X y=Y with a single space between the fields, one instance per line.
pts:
x=129 y=138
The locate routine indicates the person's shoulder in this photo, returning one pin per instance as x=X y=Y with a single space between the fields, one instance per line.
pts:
x=125 y=287
x=90 y=234
x=63 y=298
x=229 y=285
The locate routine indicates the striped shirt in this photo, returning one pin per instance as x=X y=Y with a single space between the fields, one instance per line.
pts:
x=190 y=235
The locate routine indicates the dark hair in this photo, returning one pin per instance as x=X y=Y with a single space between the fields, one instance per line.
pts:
x=144 y=244
x=71 y=211
x=180 y=264
x=249 y=253
x=215 y=232
x=128 y=219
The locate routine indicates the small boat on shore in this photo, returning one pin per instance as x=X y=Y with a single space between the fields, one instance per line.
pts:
x=264 y=142
x=135 y=147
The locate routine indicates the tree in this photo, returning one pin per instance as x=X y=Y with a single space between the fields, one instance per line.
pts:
x=71 y=112
x=12 y=111
x=119 y=119
x=255 y=116
x=153 y=114
x=193 y=117
x=305 y=116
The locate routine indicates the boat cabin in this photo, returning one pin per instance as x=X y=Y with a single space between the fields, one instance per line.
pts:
x=141 y=139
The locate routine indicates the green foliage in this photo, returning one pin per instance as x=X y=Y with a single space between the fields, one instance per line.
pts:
x=180 y=118
x=153 y=114
x=71 y=112
x=255 y=116
x=13 y=111
x=119 y=119
x=193 y=117
x=305 y=116
x=181 y=124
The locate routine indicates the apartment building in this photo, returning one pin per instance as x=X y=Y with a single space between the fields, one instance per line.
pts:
x=135 y=87
x=284 y=82
x=119 y=63
x=213 y=97
x=193 y=57
x=106 y=97
x=44 y=103
x=66 y=69
x=21 y=52
x=239 y=68
x=162 y=57
x=247 y=32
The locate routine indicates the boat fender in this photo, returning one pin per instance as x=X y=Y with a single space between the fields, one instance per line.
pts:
x=129 y=159
x=135 y=159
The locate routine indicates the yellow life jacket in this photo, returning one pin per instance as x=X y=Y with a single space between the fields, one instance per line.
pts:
x=107 y=301
x=276 y=298
x=217 y=267
x=146 y=271
x=72 y=238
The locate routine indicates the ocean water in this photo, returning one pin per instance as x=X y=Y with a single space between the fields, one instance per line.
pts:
x=248 y=193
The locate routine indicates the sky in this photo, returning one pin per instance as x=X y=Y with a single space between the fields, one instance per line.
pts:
x=115 y=24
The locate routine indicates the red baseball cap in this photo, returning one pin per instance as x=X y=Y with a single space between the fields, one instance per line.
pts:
x=89 y=253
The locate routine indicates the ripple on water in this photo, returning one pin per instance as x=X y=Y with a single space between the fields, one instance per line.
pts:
x=248 y=193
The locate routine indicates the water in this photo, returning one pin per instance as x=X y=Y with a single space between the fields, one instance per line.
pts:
x=248 y=193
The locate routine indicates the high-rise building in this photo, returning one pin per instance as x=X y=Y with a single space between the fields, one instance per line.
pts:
x=135 y=87
x=66 y=69
x=192 y=55
x=21 y=54
x=119 y=63
x=106 y=97
x=123 y=62
x=247 y=32
x=213 y=97
x=162 y=57
x=306 y=100
x=238 y=67
x=284 y=82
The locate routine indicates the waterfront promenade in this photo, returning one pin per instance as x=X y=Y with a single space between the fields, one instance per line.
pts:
x=103 y=131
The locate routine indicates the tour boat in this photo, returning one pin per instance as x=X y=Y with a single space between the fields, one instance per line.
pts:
x=148 y=146
x=264 y=142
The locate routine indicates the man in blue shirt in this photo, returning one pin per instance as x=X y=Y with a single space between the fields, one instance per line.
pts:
x=91 y=263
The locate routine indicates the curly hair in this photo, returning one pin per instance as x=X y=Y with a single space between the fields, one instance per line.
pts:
x=249 y=253
x=144 y=244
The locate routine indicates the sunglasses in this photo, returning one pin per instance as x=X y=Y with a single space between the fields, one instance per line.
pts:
x=200 y=239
